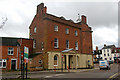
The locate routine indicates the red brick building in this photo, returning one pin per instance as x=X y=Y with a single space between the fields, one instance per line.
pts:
x=11 y=49
x=55 y=37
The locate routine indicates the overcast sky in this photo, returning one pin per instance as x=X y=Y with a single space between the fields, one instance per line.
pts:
x=102 y=16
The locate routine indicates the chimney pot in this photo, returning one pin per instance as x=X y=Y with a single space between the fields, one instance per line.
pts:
x=104 y=45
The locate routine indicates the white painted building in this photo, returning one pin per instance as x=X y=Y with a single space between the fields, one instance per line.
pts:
x=116 y=52
x=107 y=52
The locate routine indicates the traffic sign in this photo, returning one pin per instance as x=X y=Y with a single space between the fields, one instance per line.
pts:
x=62 y=55
x=26 y=51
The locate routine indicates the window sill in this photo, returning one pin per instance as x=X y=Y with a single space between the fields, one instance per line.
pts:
x=56 y=48
x=10 y=54
x=3 y=67
x=67 y=33
x=76 y=49
x=55 y=31
x=55 y=65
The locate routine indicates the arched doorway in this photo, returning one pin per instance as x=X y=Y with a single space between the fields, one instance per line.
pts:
x=56 y=60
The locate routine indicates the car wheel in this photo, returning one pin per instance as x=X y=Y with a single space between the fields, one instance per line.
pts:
x=107 y=68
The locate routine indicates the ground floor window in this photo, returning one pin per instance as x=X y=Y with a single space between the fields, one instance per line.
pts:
x=2 y=63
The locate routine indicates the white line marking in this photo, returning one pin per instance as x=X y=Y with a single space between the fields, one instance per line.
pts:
x=58 y=74
x=48 y=76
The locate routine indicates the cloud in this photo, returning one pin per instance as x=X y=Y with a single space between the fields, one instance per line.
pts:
x=108 y=36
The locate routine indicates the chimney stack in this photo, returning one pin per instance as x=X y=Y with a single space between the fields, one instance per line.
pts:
x=96 y=48
x=84 y=19
x=41 y=9
x=104 y=45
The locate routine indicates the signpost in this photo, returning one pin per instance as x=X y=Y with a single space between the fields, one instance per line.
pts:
x=24 y=60
x=26 y=51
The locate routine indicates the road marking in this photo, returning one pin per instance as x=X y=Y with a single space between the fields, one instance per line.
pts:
x=58 y=74
x=48 y=76
x=113 y=75
x=54 y=75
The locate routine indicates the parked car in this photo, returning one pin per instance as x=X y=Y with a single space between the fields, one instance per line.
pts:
x=104 y=65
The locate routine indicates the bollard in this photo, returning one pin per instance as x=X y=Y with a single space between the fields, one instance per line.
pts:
x=68 y=68
x=55 y=68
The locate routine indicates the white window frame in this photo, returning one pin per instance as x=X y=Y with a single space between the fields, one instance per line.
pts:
x=76 y=45
x=55 y=28
x=67 y=30
x=76 y=33
x=56 y=42
x=10 y=51
x=35 y=29
x=3 y=60
x=67 y=44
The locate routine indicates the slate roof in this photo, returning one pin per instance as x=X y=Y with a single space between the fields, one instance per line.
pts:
x=109 y=46
x=8 y=41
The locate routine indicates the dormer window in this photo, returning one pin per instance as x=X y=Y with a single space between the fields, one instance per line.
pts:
x=35 y=29
x=55 y=28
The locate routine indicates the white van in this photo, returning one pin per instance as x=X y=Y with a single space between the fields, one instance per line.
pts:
x=104 y=65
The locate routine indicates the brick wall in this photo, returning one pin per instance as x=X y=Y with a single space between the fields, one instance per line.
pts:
x=9 y=57
x=45 y=32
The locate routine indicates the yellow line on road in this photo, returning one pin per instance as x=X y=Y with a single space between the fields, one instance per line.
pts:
x=113 y=75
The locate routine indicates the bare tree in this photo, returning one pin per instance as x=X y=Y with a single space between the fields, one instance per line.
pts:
x=3 y=22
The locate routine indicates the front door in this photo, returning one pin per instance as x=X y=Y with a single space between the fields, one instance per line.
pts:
x=13 y=64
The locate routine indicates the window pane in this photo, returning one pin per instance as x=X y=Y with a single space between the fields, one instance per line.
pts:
x=35 y=30
x=4 y=64
x=76 y=33
x=55 y=28
x=76 y=45
x=67 y=44
x=67 y=31
x=11 y=52
x=55 y=57
x=0 y=63
x=34 y=44
x=55 y=43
